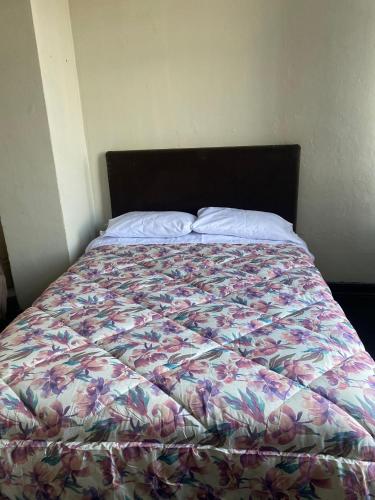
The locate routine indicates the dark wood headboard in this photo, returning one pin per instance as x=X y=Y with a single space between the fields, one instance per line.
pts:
x=250 y=177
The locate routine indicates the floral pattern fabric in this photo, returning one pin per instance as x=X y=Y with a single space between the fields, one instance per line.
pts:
x=189 y=372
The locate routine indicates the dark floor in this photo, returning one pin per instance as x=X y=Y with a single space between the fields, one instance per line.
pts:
x=12 y=311
x=358 y=303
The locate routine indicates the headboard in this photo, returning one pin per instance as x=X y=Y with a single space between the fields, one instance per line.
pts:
x=250 y=177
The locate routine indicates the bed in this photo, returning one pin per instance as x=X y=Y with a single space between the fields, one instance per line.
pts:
x=190 y=371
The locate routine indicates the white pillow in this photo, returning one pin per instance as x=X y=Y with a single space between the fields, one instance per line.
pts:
x=150 y=224
x=243 y=223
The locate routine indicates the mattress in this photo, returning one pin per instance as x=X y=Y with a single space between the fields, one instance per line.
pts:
x=186 y=371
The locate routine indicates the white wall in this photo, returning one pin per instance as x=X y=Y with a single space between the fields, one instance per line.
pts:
x=173 y=73
x=45 y=188
x=61 y=92
x=178 y=73
x=329 y=93
x=30 y=207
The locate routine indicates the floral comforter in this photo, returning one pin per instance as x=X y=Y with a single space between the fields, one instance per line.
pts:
x=192 y=372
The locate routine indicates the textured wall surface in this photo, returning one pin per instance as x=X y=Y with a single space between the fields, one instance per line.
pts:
x=171 y=73
x=329 y=99
x=61 y=92
x=45 y=185
x=30 y=208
